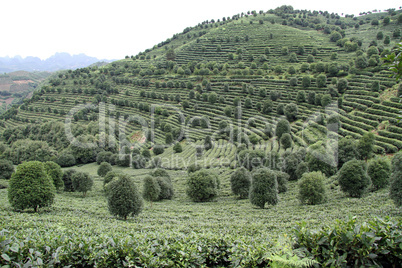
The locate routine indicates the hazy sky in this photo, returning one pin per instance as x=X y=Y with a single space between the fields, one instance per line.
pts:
x=114 y=29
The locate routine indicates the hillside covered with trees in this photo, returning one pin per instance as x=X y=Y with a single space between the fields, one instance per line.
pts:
x=294 y=110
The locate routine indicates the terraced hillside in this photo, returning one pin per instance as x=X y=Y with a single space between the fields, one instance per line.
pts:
x=232 y=79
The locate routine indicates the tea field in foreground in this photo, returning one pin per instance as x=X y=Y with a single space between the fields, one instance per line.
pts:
x=179 y=225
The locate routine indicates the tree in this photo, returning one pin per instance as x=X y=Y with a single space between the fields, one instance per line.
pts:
x=104 y=168
x=264 y=187
x=6 y=169
x=286 y=141
x=82 y=182
x=396 y=179
x=267 y=107
x=379 y=170
x=30 y=187
x=282 y=127
x=353 y=178
x=158 y=149
x=240 y=182
x=282 y=178
x=248 y=103
x=68 y=183
x=170 y=55
x=365 y=146
x=335 y=36
x=306 y=81
x=168 y=138
x=301 y=96
x=212 y=97
x=326 y=100
x=301 y=168
x=312 y=188
x=177 y=148
x=291 y=111
x=321 y=80
x=151 y=189
x=55 y=173
x=208 y=143
x=342 y=85
x=347 y=150
x=202 y=186
x=123 y=198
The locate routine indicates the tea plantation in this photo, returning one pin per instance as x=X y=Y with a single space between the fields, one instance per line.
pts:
x=300 y=96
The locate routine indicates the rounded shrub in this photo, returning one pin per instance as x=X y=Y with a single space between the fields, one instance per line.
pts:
x=202 y=186
x=379 y=170
x=123 y=198
x=158 y=149
x=177 y=148
x=151 y=189
x=55 y=173
x=312 y=188
x=82 y=182
x=264 y=188
x=6 y=169
x=110 y=176
x=67 y=180
x=160 y=172
x=30 y=187
x=353 y=178
x=193 y=168
x=286 y=141
x=66 y=160
x=104 y=168
x=301 y=168
x=240 y=182
x=166 y=188
x=282 y=127
x=396 y=179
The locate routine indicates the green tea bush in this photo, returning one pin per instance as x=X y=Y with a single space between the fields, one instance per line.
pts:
x=282 y=179
x=158 y=149
x=301 y=168
x=82 y=182
x=123 y=198
x=312 y=188
x=240 y=182
x=177 y=148
x=264 y=187
x=353 y=178
x=31 y=187
x=379 y=170
x=6 y=169
x=55 y=173
x=104 y=168
x=166 y=188
x=348 y=244
x=202 y=186
x=110 y=176
x=282 y=127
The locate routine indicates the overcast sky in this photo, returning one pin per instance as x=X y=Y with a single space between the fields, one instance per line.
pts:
x=114 y=29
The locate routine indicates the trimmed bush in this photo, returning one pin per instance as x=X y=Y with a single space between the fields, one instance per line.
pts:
x=264 y=188
x=347 y=150
x=55 y=173
x=240 y=182
x=193 y=168
x=6 y=169
x=104 y=168
x=82 y=182
x=286 y=141
x=379 y=170
x=177 y=148
x=123 y=198
x=353 y=178
x=302 y=168
x=202 y=186
x=66 y=160
x=312 y=188
x=282 y=127
x=31 y=187
x=291 y=111
x=251 y=159
x=158 y=149
x=151 y=189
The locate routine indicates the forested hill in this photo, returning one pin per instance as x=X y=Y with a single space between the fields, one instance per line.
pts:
x=311 y=68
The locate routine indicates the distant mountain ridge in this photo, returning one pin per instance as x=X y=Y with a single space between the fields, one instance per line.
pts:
x=59 y=61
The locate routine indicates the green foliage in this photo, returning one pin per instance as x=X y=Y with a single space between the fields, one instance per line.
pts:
x=365 y=145
x=29 y=150
x=151 y=189
x=321 y=158
x=396 y=179
x=166 y=187
x=202 y=186
x=291 y=111
x=267 y=107
x=286 y=141
x=55 y=173
x=301 y=168
x=177 y=148
x=312 y=188
x=208 y=143
x=282 y=127
x=306 y=81
x=123 y=198
x=110 y=176
x=104 y=168
x=240 y=182
x=30 y=187
x=379 y=171
x=82 y=182
x=6 y=169
x=264 y=187
x=321 y=80
x=347 y=150
x=158 y=149
x=353 y=178
x=349 y=244
x=67 y=180
x=251 y=159
x=282 y=179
